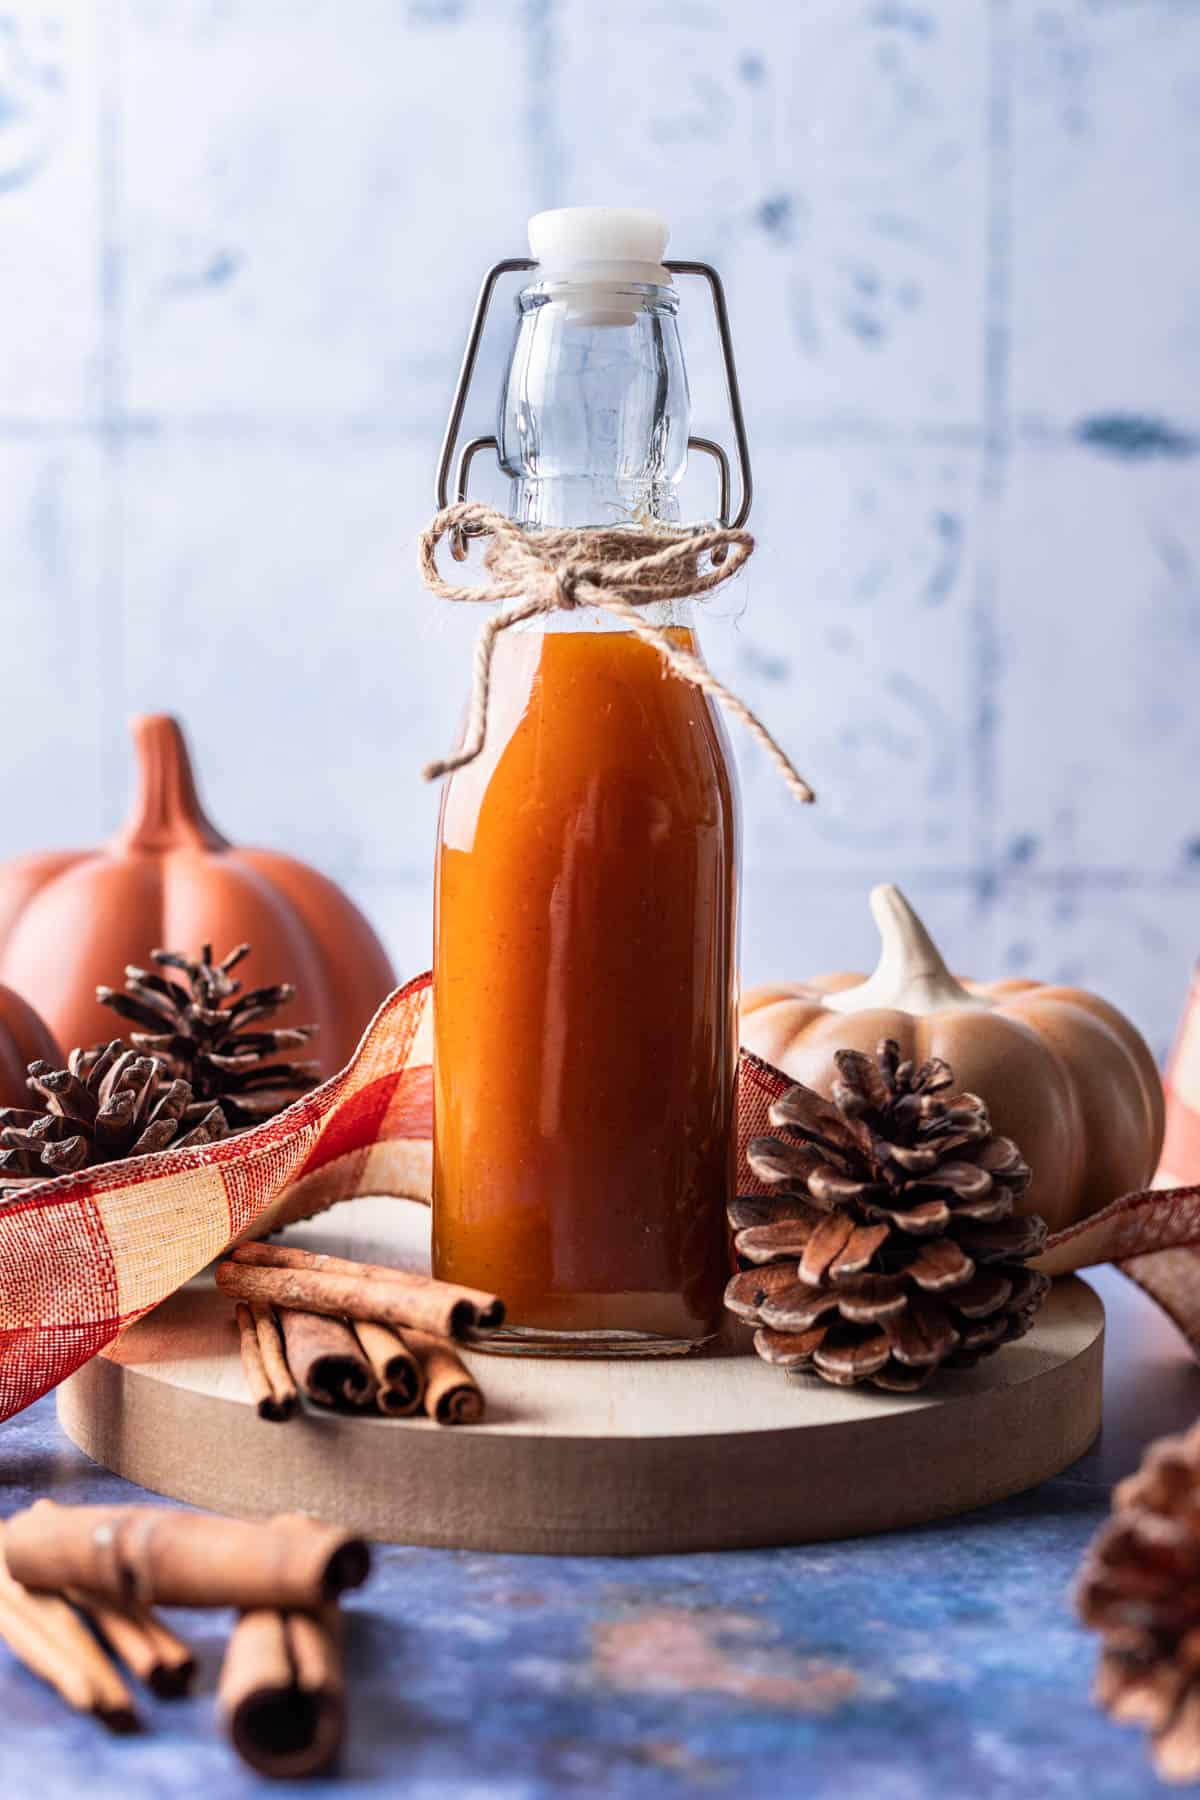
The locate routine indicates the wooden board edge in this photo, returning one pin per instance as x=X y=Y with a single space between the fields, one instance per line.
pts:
x=489 y=1493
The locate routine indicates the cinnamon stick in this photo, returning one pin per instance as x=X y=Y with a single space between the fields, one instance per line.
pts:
x=263 y=1362
x=50 y=1638
x=145 y=1555
x=452 y=1395
x=148 y=1648
x=361 y=1290
x=398 y=1371
x=327 y=1360
x=30 y=1645
x=282 y=1691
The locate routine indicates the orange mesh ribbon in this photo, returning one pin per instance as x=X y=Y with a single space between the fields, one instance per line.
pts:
x=84 y=1256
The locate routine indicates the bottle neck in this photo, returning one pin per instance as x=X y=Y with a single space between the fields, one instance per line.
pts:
x=594 y=411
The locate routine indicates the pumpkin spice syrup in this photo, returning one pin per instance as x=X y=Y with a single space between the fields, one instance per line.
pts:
x=585 y=1018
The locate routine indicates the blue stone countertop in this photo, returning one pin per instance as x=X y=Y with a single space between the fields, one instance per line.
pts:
x=944 y=1660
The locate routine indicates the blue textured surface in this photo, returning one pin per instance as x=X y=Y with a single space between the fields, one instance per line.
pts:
x=240 y=240
x=939 y=1661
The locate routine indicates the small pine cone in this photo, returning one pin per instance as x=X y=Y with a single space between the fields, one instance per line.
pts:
x=106 y=1104
x=890 y=1248
x=1140 y=1589
x=200 y=1028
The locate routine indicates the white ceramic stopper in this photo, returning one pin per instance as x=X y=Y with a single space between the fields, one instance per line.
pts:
x=608 y=243
x=595 y=251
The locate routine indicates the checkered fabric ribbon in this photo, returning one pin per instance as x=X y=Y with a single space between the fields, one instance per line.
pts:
x=1164 y=1258
x=84 y=1256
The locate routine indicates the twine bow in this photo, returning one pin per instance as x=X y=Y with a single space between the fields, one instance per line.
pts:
x=617 y=571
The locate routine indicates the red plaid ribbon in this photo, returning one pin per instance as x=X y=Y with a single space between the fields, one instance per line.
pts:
x=1166 y=1260
x=83 y=1257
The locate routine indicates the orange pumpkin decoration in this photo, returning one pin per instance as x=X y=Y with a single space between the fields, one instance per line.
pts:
x=24 y=1038
x=1063 y=1073
x=70 y=920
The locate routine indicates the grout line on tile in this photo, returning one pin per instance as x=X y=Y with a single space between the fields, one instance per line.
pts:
x=998 y=295
x=546 y=152
x=113 y=750
x=17 y=430
x=276 y=431
x=984 y=654
x=1096 y=878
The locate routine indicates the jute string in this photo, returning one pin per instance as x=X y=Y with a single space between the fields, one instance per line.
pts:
x=539 y=572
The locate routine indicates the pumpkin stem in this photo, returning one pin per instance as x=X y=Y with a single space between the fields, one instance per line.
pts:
x=166 y=813
x=911 y=975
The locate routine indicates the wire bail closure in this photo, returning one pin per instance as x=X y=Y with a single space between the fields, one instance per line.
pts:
x=513 y=265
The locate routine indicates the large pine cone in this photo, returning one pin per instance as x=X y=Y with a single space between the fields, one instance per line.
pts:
x=201 y=1032
x=891 y=1248
x=1140 y=1588
x=105 y=1105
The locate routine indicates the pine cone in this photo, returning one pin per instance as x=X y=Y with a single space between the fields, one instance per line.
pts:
x=106 y=1104
x=1140 y=1588
x=200 y=1033
x=890 y=1249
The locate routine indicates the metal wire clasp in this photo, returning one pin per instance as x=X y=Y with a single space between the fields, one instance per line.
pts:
x=708 y=446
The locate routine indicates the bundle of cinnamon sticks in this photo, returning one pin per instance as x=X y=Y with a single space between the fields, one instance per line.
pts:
x=78 y=1586
x=353 y=1335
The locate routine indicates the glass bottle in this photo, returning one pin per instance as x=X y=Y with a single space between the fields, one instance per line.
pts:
x=585 y=1052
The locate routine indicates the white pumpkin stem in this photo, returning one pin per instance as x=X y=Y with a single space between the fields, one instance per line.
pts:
x=911 y=975
x=166 y=813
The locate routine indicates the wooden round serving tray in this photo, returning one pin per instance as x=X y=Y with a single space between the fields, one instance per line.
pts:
x=706 y=1452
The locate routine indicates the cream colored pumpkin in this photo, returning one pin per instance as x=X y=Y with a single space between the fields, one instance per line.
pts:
x=1063 y=1072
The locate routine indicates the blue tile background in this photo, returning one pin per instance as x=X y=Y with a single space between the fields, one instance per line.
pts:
x=239 y=240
